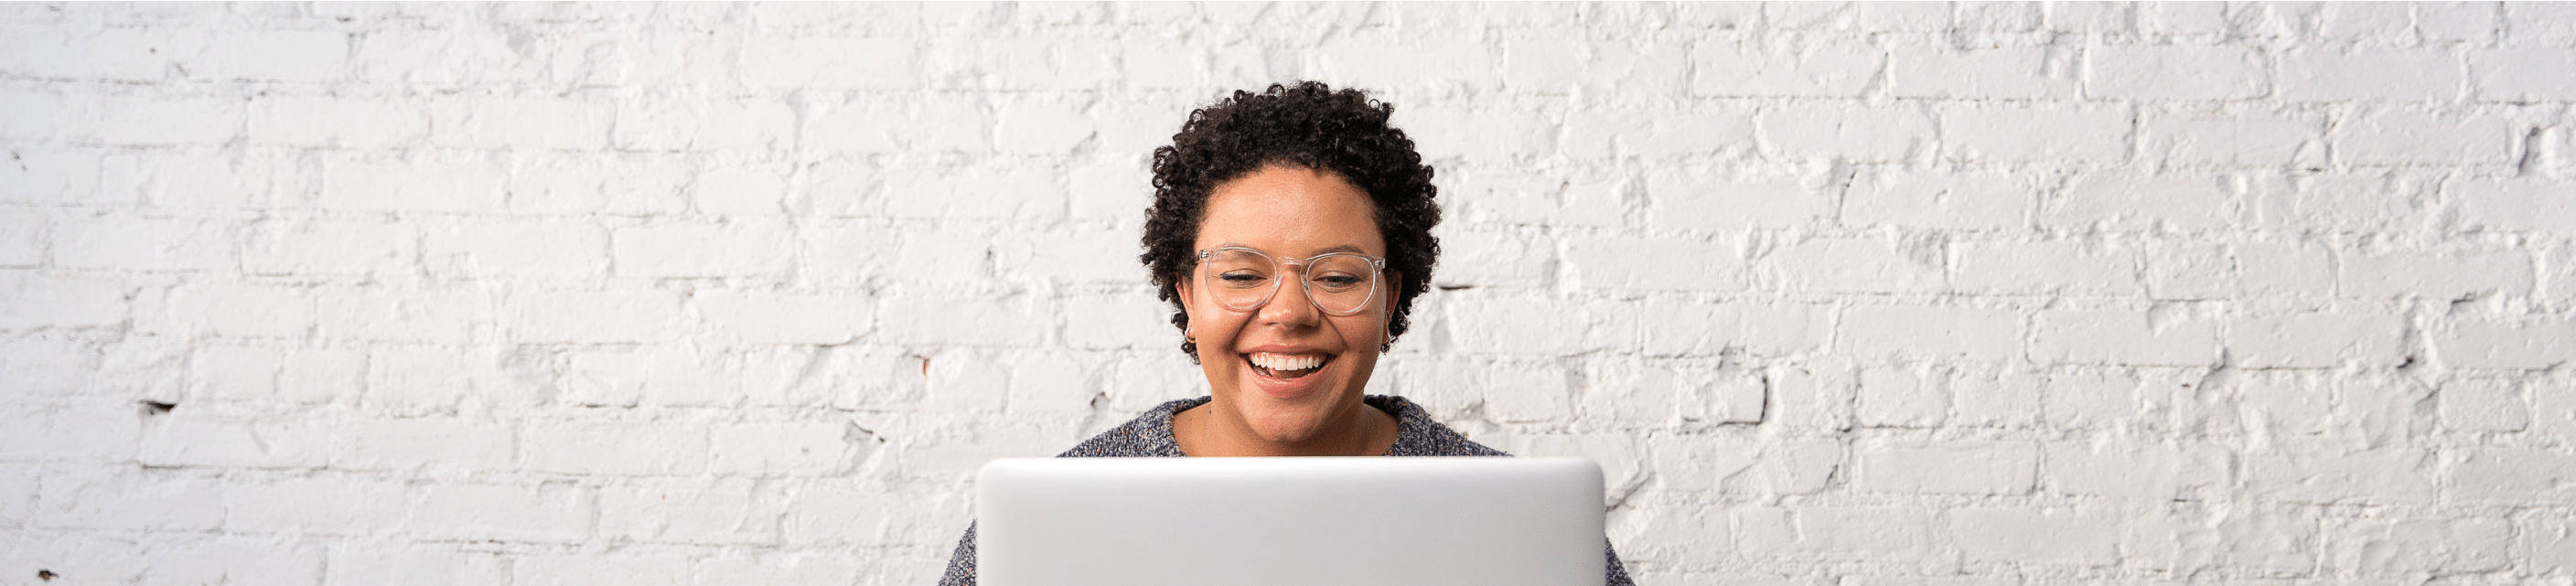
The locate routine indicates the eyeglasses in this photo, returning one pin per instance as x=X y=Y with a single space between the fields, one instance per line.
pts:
x=1242 y=279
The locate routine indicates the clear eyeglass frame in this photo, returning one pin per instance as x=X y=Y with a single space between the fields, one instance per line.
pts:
x=1305 y=280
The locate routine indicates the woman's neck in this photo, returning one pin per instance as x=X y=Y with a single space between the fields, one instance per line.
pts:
x=1209 y=430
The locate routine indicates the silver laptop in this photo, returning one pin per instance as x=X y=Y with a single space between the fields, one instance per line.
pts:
x=1282 y=521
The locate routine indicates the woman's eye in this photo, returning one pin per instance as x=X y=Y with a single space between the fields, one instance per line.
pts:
x=1240 y=278
x=1337 y=280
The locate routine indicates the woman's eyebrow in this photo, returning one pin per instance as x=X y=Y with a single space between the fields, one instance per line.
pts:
x=1350 y=248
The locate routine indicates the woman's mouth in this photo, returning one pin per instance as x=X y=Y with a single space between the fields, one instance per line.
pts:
x=1287 y=366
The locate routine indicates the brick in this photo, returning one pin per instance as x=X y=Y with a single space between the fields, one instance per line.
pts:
x=2175 y=73
x=2534 y=344
x=93 y=433
x=1684 y=394
x=2014 y=535
x=1690 y=201
x=1835 y=533
x=831 y=63
x=745 y=191
x=1524 y=325
x=1706 y=329
x=314 y=376
x=976 y=322
x=1040 y=128
x=2515 y=206
x=2036 y=134
x=1953 y=201
x=2049 y=267
x=519 y=250
x=2387 y=75
x=403 y=315
x=1733 y=67
x=28 y=115
x=799 y=449
x=737 y=249
x=353 y=566
x=137 y=244
x=2315 y=472
x=975 y=194
x=590 y=317
x=1847 y=131
x=1502 y=134
x=2122 y=337
x=1380 y=62
x=1614 y=264
x=2420 y=545
x=2092 y=399
x=1898 y=397
x=41 y=368
x=550 y=124
x=56 y=177
x=2250 y=139
x=225 y=373
x=120 y=54
x=1484 y=258
x=757 y=318
x=1854 y=265
x=146 y=121
x=2510 y=476
x=2482 y=404
x=332 y=122
x=242 y=561
x=2129 y=470
x=625 y=184
x=2436 y=276
x=1860 y=16
x=186 y=438
x=34 y=301
x=2124 y=202
x=2523 y=75
x=2008 y=74
x=299 y=56
x=2399 y=137
x=130 y=501
x=615 y=448
x=325 y=505
x=1080 y=257
x=432 y=185
x=2315 y=340
x=540 y=513
x=421 y=444
x=1954 y=468
x=700 y=124
x=835 y=512
x=1965 y=332
x=2547 y=545
x=332 y=248
x=724 y=512
x=1118 y=322
x=2336 y=203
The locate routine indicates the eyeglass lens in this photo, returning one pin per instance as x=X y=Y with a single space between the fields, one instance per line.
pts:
x=1244 y=279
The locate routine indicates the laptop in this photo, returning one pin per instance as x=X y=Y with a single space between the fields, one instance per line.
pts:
x=1283 y=521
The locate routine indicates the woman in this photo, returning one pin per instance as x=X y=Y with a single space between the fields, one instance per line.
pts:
x=1291 y=231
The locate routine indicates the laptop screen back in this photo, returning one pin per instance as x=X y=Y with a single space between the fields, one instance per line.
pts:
x=1303 y=521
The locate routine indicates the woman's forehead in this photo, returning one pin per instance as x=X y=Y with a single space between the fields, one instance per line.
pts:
x=1286 y=210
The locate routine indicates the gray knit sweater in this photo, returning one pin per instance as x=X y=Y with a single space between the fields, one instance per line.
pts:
x=1150 y=436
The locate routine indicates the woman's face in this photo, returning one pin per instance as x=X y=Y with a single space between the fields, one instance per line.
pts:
x=1288 y=213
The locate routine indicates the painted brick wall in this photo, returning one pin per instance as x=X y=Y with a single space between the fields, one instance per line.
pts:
x=1847 y=295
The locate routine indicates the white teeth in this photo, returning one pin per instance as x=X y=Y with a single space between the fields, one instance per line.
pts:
x=1286 y=362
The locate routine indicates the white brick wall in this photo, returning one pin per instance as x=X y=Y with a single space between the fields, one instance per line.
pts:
x=1839 y=294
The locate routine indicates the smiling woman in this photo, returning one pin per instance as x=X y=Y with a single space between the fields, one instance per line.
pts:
x=1291 y=231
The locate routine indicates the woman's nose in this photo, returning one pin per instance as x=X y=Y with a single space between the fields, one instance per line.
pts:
x=1291 y=305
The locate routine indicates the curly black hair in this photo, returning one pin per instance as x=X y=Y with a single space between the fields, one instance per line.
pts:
x=1309 y=125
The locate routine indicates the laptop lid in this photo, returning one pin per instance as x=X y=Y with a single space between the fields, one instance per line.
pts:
x=1281 y=521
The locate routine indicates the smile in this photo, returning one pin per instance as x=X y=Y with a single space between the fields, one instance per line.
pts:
x=1287 y=366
